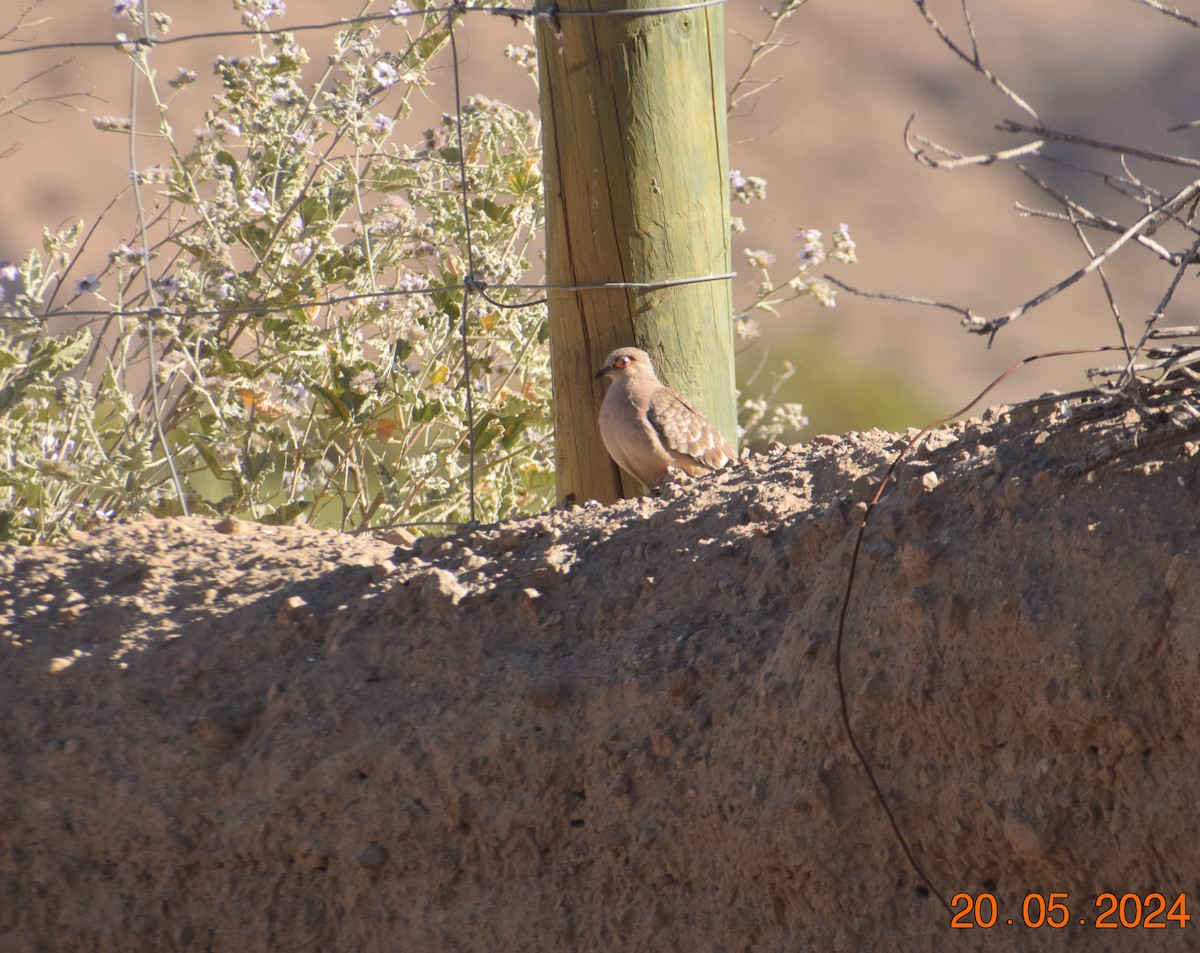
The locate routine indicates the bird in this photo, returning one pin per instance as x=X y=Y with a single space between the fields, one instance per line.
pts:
x=649 y=429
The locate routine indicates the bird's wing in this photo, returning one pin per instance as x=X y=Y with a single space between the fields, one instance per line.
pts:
x=684 y=430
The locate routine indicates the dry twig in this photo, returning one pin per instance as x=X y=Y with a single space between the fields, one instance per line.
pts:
x=1156 y=208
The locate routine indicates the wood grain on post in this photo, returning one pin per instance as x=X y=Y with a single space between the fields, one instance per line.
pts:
x=636 y=172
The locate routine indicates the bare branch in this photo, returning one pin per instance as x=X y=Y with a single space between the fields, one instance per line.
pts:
x=23 y=21
x=972 y=59
x=957 y=160
x=1154 y=217
x=1078 y=213
x=1108 y=292
x=16 y=110
x=1183 y=331
x=1161 y=310
x=966 y=313
x=1042 y=132
x=1169 y=11
x=759 y=49
x=61 y=99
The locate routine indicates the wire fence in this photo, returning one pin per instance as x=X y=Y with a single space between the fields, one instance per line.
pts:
x=140 y=47
x=551 y=14
x=474 y=283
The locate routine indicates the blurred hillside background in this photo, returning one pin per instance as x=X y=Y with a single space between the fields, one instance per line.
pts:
x=827 y=134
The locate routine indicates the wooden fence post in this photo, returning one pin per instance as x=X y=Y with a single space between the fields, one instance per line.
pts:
x=637 y=190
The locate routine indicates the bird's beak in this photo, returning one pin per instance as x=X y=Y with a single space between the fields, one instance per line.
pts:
x=604 y=370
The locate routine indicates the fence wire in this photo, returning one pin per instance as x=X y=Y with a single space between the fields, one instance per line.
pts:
x=551 y=14
x=139 y=47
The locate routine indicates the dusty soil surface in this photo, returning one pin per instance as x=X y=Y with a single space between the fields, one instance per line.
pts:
x=619 y=728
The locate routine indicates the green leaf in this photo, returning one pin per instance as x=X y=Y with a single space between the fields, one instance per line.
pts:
x=235 y=365
x=487 y=431
x=9 y=359
x=217 y=468
x=536 y=478
x=224 y=158
x=493 y=210
x=255 y=466
x=55 y=242
x=431 y=42
x=32 y=274
x=428 y=411
x=256 y=238
x=314 y=211
x=393 y=178
x=334 y=401
x=47 y=360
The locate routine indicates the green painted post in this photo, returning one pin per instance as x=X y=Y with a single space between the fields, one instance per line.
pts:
x=637 y=190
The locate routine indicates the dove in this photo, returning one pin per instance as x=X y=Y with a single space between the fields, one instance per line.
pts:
x=649 y=429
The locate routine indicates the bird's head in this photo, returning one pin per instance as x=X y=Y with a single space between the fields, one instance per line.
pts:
x=627 y=362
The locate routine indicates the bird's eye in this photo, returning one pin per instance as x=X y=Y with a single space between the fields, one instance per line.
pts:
x=623 y=361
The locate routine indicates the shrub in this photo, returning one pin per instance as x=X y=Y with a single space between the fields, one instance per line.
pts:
x=280 y=335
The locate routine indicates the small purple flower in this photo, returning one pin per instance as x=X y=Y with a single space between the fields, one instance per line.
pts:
x=410 y=282
x=382 y=124
x=399 y=9
x=736 y=179
x=88 y=285
x=811 y=254
x=123 y=7
x=267 y=9
x=257 y=201
x=747 y=329
x=8 y=271
x=842 y=238
x=123 y=254
x=385 y=73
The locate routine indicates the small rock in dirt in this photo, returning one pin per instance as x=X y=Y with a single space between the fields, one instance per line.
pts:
x=429 y=545
x=371 y=856
x=293 y=609
x=399 y=537
x=442 y=584
x=382 y=569
x=232 y=527
x=59 y=664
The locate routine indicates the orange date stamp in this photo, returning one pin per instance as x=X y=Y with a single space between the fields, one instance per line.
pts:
x=1109 y=911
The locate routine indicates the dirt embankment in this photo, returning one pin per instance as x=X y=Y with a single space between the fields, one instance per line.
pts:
x=619 y=728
